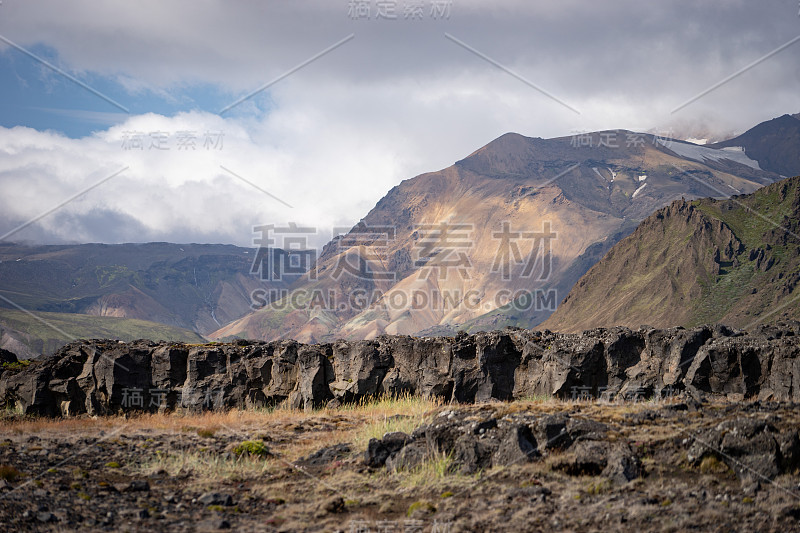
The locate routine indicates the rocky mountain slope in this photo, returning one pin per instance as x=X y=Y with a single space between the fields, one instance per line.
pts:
x=773 y=144
x=733 y=260
x=187 y=286
x=103 y=377
x=519 y=220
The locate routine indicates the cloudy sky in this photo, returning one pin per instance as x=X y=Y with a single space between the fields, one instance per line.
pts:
x=194 y=120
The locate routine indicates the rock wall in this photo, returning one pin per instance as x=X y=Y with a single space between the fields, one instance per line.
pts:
x=105 y=377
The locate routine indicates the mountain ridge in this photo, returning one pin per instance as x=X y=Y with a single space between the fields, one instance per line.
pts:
x=571 y=198
x=195 y=287
x=732 y=261
x=769 y=142
x=590 y=189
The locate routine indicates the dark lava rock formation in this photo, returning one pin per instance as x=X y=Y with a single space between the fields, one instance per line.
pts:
x=755 y=442
x=106 y=377
x=479 y=441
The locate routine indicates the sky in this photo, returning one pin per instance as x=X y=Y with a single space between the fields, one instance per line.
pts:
x=195 y=121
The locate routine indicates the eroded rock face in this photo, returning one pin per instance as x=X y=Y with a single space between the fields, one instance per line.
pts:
x=103 y=377
x=6 y=357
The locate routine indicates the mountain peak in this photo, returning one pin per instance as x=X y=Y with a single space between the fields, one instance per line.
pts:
x=772 y=144
x=590 y=190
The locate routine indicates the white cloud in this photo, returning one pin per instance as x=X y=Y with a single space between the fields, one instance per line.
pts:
x=185 y=194
x=398 y=100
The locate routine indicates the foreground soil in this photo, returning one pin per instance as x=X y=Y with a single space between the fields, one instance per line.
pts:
x=288 y=470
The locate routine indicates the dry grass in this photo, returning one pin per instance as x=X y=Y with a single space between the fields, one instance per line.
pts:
x=435 y=476
x=712 y=465
x=406 y=404
x=384 y=416
x=208 y=467
x=298 y=433
x=179 y=421
x=379 y=428
x=357 y=423
x=9 y=473
x=372 y=410
x=430 y=473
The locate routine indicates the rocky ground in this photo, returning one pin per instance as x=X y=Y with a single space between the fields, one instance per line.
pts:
x=410 y=465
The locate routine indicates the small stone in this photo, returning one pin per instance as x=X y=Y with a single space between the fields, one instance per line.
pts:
x=45 y=517
x=390 y=506
x=380 y=450
x=222 y=524
x=138 y=486
x=142 y=514
x=518 y=446
x=216 y=498
x=325 y=456
x=335 y=505
x=750 y=489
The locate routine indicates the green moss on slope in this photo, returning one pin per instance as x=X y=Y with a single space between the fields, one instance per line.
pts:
x=50 y=331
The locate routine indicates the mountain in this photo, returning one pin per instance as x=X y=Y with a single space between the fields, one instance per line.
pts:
x=773 y=144
x=733 y=261
x=30 y=337
x=498 y=238
x=519 y=220
x=196 y=287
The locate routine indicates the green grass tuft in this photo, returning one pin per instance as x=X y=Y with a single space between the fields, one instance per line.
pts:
x=252 y=448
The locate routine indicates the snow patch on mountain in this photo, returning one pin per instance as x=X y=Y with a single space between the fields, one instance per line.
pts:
x=702 y=154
